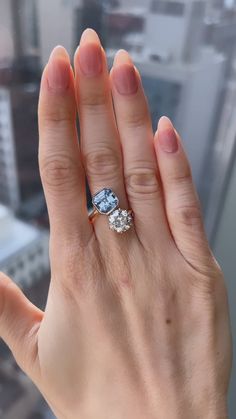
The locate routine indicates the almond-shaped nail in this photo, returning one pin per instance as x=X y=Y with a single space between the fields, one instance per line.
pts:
x=59 y=69
x=90 y=59
x=90 y=54
x=166 y=136
x=125 y=79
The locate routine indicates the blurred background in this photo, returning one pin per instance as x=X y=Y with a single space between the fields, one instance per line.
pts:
x=186 y=53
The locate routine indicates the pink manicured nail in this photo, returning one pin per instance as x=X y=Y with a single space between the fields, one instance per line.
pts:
x=125 y=79
x=58 y=69
x=166 y=136
x=90 y=59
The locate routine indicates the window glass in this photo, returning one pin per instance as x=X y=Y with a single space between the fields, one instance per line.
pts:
x=186 y=54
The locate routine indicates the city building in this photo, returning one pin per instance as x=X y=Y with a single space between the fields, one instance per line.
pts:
x=6 y=33
x=182 y=77
x=221 y=31
x=223 y=162
x=50 y=21
x=23 y=250
x=19 y=34
x=20 y=184
x=19 y=88
x=9 y=185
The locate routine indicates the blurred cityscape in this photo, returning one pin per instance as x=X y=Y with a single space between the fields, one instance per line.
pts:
x=186 y=53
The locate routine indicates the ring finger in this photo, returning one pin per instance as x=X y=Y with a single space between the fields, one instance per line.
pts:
x=140 y=165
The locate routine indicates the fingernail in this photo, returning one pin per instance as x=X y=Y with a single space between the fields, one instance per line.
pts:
x=166 y=136
x=59 y=69
x=90 y=59
x=89 y=35
x=122 y=57
x=90 y=54
x=125 y=79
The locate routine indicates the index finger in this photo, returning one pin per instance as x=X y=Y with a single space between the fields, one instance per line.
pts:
x=59 y=155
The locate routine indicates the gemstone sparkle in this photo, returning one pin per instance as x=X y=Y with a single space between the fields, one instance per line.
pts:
x=120 y=220
x=105 y=201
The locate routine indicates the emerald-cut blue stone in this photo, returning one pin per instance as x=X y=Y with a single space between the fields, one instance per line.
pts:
x=105 y=201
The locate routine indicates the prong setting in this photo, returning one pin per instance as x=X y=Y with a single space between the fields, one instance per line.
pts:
x=120 y=220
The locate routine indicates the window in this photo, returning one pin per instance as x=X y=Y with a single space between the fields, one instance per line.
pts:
x=188 y=71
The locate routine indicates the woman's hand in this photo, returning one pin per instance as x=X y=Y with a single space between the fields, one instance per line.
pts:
x=136 y=325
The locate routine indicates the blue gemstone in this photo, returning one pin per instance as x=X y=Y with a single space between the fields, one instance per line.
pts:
x=105 y=201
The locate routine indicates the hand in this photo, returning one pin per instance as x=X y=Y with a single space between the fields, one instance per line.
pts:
x=136 y=325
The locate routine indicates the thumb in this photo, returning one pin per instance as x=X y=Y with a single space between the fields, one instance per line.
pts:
x=19 y=324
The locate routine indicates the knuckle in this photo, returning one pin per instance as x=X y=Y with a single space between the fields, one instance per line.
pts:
x=208 y=279
x=94 y=101
x=183 y=178
x=136 y=119
x=189 y=215
x=58 y=171
x=103 y=161
x=141 y=181
x=57 y=116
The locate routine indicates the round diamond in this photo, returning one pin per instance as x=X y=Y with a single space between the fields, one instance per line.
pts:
x=120 y=220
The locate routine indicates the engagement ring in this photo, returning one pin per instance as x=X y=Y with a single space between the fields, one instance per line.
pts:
x=105 y=202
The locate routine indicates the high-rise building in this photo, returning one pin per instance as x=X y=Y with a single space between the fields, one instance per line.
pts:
x=19 y=35
x=9 y=185
x=186 y=20
x=223 y=161
x=20 y=184
x=23 y=250
x=19 y=87
x=181 y=76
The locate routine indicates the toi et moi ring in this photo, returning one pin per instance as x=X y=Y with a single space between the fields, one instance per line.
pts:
x=106 y=202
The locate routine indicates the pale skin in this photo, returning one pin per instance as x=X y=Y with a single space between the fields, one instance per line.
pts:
x=136 y=324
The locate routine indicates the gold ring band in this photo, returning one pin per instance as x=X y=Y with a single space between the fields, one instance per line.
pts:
x=92 y=214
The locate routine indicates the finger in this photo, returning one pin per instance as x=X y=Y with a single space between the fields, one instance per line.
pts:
x=59 y=155
x=19 y=323
x=100 y=143
x=181 y=201
x=140 y=165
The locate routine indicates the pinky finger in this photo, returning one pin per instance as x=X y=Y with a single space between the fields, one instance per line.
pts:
x=181 y=201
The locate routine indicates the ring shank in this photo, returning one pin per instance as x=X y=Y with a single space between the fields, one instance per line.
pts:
x=92 y=214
